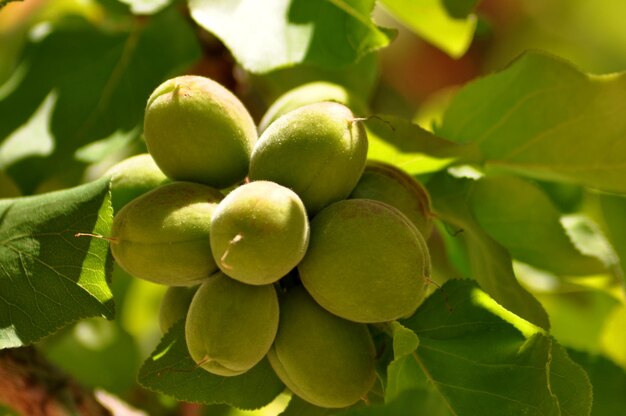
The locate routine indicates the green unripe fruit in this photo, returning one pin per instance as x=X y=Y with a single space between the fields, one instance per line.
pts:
x=259 y=232
x=230 y=326
x=174 y=305
x=133 y=177
x=318 y=150
x=198 y=131
x=163 y=235
x=386 y=183
x=324 y=359
x=366 y=262
x=313 y=92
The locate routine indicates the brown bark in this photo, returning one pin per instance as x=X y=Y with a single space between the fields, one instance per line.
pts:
x=30 y=385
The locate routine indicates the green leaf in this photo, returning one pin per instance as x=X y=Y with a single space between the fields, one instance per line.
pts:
x=406 y=145
x=490 y=263
x=48 y=277
x=272 y=34
x=472 y=360
x=96 y=89
x=518 y=215
x=430 y=20
x=613 y=211
x=171 y=371
x=543 y=118
x=405 y=342
x=609 y=383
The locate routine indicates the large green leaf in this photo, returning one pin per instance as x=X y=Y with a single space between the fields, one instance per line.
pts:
x=170 y=370
x=490 y=263
x=544 y=118
x=522 y=218
x=472 y=361
x=609 y=383
x=406 y=145
x=96 y=88
x=272 y=34
x=430 y=20
x=49 y=277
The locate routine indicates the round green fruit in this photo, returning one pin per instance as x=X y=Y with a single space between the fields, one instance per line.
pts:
x=163 y=235
x=230 y=326
x=196 y=130
x=318 y=150
x=259 y=232
x=366 y=262
x=324 y=359
x=174 y=305
x=313 y=92
x=386 y=183
x=133 y=177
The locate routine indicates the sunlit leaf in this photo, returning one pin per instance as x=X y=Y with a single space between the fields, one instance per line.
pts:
x=472 y=361
x=522 y=218
x=490 y=263
x=49 y=277
x=430 y=20
x=544 y=118
x=272 y=34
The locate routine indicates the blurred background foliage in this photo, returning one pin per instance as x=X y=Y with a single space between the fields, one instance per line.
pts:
x=75 y=75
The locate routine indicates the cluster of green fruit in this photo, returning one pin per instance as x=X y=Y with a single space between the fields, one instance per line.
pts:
x=310 y=244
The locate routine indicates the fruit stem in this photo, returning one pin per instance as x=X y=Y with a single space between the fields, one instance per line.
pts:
x=231 y=243
x=111 y=239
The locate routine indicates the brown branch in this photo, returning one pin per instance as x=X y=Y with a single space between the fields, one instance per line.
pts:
x=32 y=386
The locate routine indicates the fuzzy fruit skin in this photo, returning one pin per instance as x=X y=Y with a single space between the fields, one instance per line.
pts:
x=259 y=232
x=230 y=326
x=318 y=150
x=313 y=92
x=163 y=235
x=324 y=359
x=196 y=130
x=386 y=183
x=133 y=177
x=174 y=305
x=366 y=262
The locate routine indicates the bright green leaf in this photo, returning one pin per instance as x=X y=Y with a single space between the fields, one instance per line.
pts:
x=609 y=383
x=264 y=36
x=401 y=143
x=490 y=263
x=543 y=118
x=49 y=277
x=170 y=370
x=430 y=20
x=522 y=218
x=96 y=89
x=477 y=363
